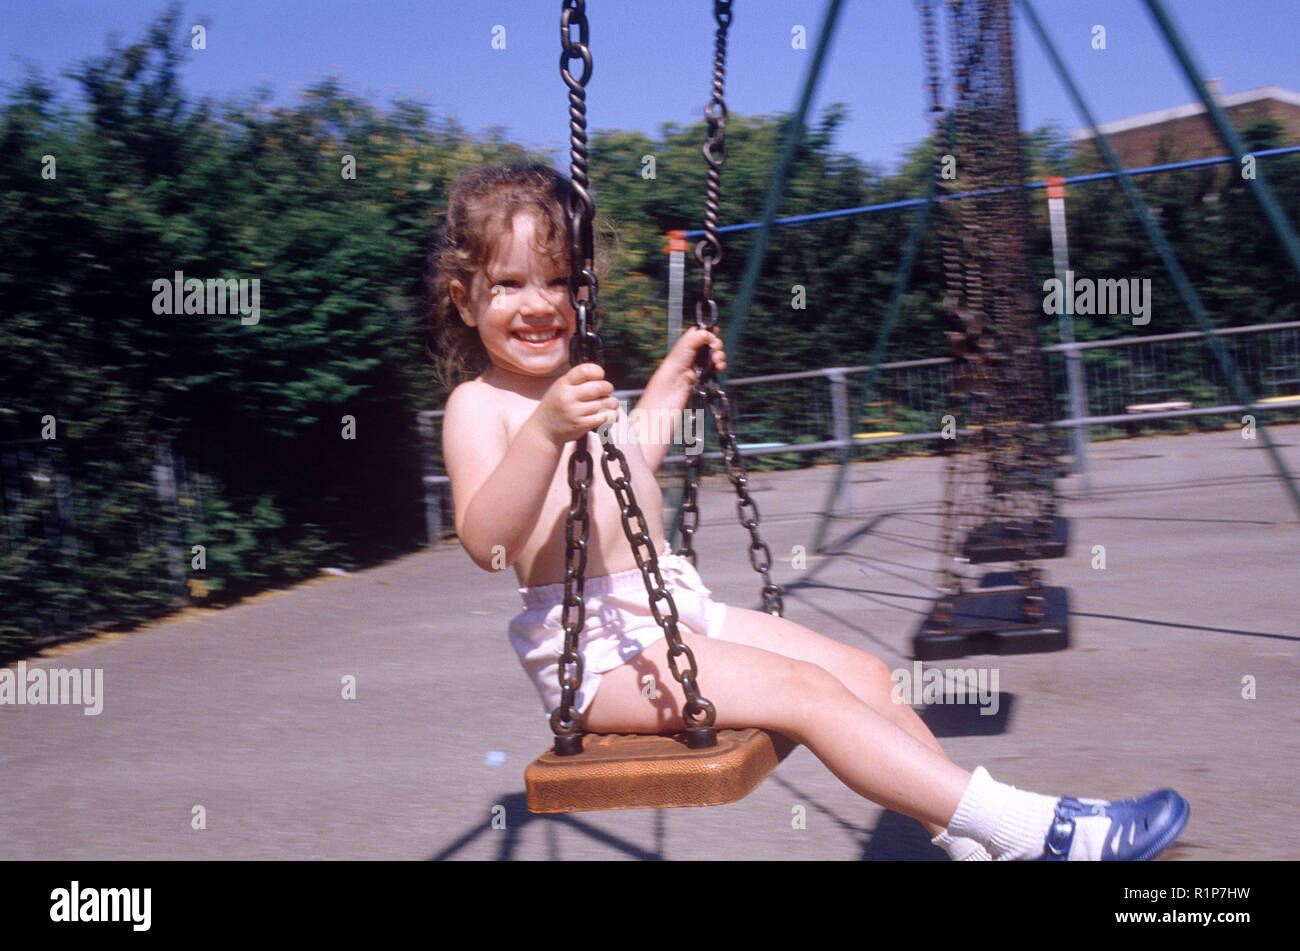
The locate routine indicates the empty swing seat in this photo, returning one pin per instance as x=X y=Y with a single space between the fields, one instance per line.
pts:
x=1008 y=540
x=992 y=622
x=648 y=771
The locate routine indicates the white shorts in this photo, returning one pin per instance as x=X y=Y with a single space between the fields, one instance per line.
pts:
x=618 y=625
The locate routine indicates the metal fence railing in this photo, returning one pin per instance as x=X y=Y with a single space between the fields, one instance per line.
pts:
x=53 y=522
x=1152 y=382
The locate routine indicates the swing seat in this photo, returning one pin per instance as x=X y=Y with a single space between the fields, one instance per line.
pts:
x=991 y=622
x=1007 y=541
x=647 y=771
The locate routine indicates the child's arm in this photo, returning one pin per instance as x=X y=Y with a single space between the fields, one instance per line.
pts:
x=498 y=484
x=668 y=392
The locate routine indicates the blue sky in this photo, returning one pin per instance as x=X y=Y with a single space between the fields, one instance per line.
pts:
x=653 y=59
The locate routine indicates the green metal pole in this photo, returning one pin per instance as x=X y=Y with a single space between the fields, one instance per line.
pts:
x=1158 y=240
x=892 y=309
x=776 y=185
x=1257 y=183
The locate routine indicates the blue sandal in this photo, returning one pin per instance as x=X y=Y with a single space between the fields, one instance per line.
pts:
x=1135 y=830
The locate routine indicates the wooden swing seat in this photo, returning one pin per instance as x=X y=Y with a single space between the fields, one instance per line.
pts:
x=648 y=771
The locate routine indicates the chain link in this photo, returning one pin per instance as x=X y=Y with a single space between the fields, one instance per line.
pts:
x=566 y=720
x=930 y=45
x=708 y=252
x=582 y=209
x=707 y=391
x=648 y=562
x=746 y=510
x=585 y=347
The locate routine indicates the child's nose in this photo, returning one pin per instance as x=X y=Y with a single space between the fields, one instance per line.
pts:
x=538 y=299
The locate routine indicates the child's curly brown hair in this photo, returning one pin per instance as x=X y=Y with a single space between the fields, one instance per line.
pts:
x=480 y=208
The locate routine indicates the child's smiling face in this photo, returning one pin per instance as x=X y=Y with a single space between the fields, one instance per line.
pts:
x=519 y=302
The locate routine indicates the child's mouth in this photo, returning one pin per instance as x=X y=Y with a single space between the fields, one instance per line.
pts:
x=538 y=338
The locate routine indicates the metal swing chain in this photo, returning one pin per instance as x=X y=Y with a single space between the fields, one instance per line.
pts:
x=760 y=556
x=708 y=251
x=982 y=246
x=962 y=290
x=706 y=389
x=949 y=581
x=585 y=347
x=963 y=241
x=566 y=722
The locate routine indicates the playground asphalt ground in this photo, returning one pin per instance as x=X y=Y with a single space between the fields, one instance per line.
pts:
x=240 y=710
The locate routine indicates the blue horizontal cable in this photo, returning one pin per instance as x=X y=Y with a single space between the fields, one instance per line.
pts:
x=1072 y=180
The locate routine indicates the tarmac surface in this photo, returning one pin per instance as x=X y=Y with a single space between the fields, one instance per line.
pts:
x=242 y=711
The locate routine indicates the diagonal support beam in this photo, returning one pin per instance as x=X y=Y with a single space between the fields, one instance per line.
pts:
x=1258 y=184
x=776 y=186
x=1158 y=240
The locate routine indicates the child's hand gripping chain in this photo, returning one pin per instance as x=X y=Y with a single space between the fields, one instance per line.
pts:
x=576 y=403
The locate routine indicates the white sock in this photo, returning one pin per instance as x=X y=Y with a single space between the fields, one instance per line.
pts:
x=1011 y=823
x=961 y=850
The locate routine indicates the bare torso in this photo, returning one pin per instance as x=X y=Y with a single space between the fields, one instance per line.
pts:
x=541 y=558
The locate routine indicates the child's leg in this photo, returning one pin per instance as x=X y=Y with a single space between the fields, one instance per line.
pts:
x=874 y=756
x=866 y=675
x=863 y=673
x=752 y=687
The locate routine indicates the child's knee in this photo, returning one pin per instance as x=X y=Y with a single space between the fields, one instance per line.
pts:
x=876 y=670
x=801 y=678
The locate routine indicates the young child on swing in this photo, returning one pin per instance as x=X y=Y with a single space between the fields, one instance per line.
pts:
x=499 y=289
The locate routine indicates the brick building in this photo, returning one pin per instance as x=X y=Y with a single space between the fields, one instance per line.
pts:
x=1186 y=132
